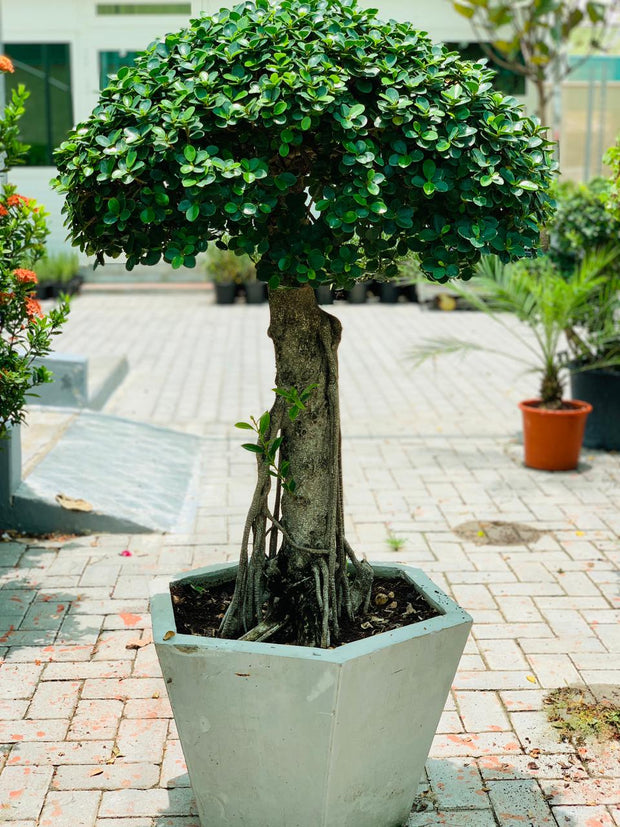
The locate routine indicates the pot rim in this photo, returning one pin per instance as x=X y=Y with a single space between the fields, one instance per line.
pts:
x=163 y=620
x=533 y=406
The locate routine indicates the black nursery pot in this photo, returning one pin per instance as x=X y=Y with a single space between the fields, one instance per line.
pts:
x=225 y=292
x=255 y=292
x=388 y=293
x=357 y=294
x=601 y=388
x=324 y=295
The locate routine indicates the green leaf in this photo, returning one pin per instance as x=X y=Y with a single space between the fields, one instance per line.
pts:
x=193 y=212
x=528 y=185
x=244 y=426
x=263 y=423
x=255 y=449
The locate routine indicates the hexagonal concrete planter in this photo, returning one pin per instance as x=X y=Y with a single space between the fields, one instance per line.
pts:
x=289 y=736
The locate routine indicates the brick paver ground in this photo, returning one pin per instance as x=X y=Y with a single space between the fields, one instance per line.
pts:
x=88 y=738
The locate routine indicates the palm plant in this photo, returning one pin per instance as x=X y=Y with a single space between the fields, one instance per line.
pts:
x=555 y=308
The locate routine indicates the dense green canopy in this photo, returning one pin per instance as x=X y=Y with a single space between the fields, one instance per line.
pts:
x=313 y=137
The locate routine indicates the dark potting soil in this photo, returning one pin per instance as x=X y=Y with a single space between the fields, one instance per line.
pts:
x=394 y=603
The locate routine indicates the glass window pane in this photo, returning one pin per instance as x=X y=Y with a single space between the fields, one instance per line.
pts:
x=144 y=8
x=45 y=70
x=111 y=62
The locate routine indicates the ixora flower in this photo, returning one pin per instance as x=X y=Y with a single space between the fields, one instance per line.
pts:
x=16 y=199
x=6 y=64
x=33 y=308
x=25 y=331
x=25 y=276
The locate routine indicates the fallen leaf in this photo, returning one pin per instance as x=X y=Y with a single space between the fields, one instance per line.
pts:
x=532 y=765
x=95 y=772
x=168 y=635
x=138 y=643
x=73 y=504
x=115 y=753
x=155 y=695
x=535 y=753
x=531 y=678
x=381 y=599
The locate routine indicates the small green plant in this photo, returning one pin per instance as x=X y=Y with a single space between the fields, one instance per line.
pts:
x=225 y=266
x=57 y=267
x=577 y=718
x=268 y=447
x=395 y=543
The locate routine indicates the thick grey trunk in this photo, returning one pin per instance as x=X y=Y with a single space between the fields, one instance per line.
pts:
x=296 y=578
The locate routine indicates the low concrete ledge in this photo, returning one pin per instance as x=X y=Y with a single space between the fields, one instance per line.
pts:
x=80 y=382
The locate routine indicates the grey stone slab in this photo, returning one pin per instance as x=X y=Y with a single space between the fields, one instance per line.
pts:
x=137 y=477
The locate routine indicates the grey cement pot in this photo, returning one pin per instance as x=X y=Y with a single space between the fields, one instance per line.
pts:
x=288 y=736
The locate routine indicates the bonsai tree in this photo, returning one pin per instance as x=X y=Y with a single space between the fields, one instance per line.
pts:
x=25 y=332
x=326 y=145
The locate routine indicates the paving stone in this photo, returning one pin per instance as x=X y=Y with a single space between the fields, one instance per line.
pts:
x=514 y=802
x=54 y=699
x=70 y=809
x=40 y=730
x=124 y=688
x=124 y=803
x=473 y=818
x=18 y=680
x=95 y=720
x=456 y=783
x=592 y=791
x=142 y=740
x=59 y=753
x=116 y=776
x=22 y=790
x=582 y=817
x=505 y=767
x=93 y=669
x=481 y=712
x=174 y=768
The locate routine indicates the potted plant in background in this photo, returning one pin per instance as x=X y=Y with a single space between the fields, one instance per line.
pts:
x=552 y=306
x=58 y=273
x=230 y=272
x=323 y=161
x=25 y=332
x=582 y=223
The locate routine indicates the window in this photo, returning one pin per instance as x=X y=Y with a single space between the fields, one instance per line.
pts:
x=111 y=62
x=144 y=8
x=506 y=81
x=45 y=70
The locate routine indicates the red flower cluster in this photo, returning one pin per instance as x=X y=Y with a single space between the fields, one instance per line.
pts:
x=33 y=308
x=3 y=211
x=15 y=200
x=25 y=276
x=6 y=65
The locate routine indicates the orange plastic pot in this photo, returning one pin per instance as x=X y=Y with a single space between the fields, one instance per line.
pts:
x=552 y=439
